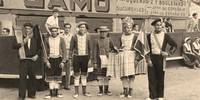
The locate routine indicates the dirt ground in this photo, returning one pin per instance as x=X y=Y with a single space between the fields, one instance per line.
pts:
x=181 y=83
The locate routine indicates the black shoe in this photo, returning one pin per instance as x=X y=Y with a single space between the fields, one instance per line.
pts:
x=123 y=94
x=20 y=98
x=130 y=93
x=66 y=88
x=106 y=91
x=32 y=97
x=126 y=92
x=100 y=91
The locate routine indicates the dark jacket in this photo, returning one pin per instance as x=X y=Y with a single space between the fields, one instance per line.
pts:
x=103 y=47
x=167 y=40
x=35 y=47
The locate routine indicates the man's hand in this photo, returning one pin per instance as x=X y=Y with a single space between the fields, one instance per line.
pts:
x=48 y=64
x=150 y=64
x=34 y=58
x=62 y=65
x=164 y=53
x=26 y=40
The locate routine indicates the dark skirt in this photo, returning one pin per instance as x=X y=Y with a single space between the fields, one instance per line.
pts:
x=55 y=72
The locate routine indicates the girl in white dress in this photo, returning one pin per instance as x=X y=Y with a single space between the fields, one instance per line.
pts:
x=127 y=58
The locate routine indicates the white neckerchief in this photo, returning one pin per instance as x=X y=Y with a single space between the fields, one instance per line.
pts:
x=155 y=45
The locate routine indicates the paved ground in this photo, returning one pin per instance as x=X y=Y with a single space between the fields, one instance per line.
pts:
x=181 y=84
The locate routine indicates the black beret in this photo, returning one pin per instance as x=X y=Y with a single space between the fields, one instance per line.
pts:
x=194 y=14
x=28 y=24
x=155 y=21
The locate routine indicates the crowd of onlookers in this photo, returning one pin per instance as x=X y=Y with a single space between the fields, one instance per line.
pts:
x=191 y=52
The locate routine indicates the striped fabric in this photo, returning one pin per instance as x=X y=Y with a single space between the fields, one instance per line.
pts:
x=113 y=65
x=117 y=67
x=141 y=67
x=121 y=64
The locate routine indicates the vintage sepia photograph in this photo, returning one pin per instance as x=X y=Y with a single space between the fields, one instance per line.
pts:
x=99 y=50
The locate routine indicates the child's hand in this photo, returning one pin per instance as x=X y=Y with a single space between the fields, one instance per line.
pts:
x=62 y=65
x=34 y=58
x=150 y=64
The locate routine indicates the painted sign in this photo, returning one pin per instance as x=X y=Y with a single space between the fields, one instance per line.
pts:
x=65 y=5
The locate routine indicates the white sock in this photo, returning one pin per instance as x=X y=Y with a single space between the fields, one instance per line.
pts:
x=100 y=80
x=84 y=80
x=106 y=80
x=76 y=80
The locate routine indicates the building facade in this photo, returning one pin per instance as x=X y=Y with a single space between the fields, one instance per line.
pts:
x=14 y=13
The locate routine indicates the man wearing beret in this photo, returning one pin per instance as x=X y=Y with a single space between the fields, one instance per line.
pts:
x=32 y=49
x=158 y=41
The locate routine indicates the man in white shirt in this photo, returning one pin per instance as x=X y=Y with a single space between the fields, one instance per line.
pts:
x=52 y=21
x=67 y=36
x=158 y=42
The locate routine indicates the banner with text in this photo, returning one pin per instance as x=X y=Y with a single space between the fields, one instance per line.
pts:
x=178 y=8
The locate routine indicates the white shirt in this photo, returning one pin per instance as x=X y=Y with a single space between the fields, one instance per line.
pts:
x=154 y=45
x=52 y=21
x=54 y=44
x=29 y=43
x=67 y=39
x=81 y=44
